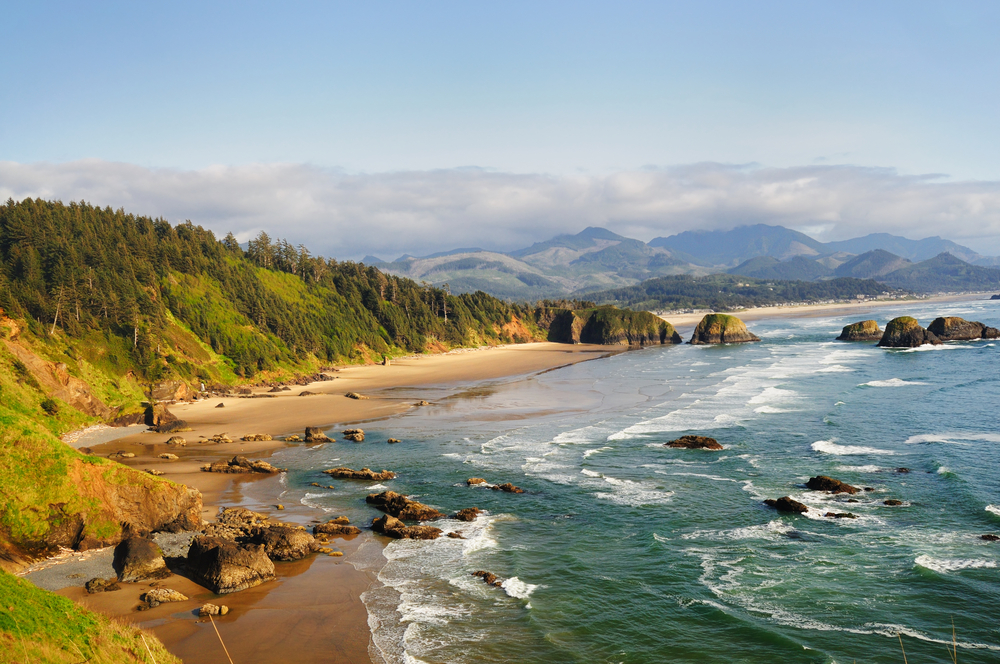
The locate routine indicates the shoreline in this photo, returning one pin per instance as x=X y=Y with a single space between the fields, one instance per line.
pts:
x=313 y=611
x=690 y=320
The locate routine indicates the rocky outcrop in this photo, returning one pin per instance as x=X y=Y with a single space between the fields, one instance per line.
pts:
x=824 y=483
x=402 y=507
x=473 y=481
x=393 y=527
x=892 y=502
x=840 y=515
x=355 y=395
x=952 y=328
x=468 y=514
x=507 y=487
x=158 y=596
x=721 y=329
x=355 y=435
x=284 y=542
x=138 y=559
x=695 y=443
x=171 y=390
x=866 y=330
x=99 y=585
x=213 y=610
x=257 y=437
x=338 y=527
x=363 y=474
x=905 y=332
x=316 y=435
x=393 y=441
x=786 y=504
x=224 y=566
x=240 y=464
x=610 y=326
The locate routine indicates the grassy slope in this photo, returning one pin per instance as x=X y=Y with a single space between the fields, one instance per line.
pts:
x=39 y=626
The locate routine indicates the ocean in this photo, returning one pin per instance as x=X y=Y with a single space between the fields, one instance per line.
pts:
x=623 y=550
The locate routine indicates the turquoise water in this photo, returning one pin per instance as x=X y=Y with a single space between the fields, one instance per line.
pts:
x=623 y=550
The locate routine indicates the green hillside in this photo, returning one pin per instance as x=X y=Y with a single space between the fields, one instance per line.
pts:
x=726 y=292
x=796 y=268
x=944 y=272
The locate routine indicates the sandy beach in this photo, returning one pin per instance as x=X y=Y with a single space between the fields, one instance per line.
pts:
x=312 y=613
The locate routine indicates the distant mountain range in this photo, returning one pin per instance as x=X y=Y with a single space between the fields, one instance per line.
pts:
x=597 y=259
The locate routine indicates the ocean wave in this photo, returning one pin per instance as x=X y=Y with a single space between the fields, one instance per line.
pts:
x=771 y=410
x=596 y=450
x=993 y=509
x=589 y=473
x=928 y=347
x=660 y=538
x=830 y=447
x=707 y=477
x=376 y=487
x=892 y=382
x=515 y=587
x=952 y=437
x=945 y=565
x=773 y=530
x=835 y=368
x=633 y=494
x=860 y=469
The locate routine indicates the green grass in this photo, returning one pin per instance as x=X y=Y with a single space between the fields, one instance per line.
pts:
x=40 y=626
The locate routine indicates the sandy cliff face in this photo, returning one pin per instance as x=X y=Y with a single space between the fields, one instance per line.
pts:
x=56 y=381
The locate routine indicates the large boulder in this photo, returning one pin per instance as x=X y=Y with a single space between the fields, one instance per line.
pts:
x=338 y=527
x=721 y=329
x=138 y=559
x=224 y=566
x=952 y=328
x=393 y=527
x=316 y=435
x=402 y=507
x=284 y=542
x=786 y=504
x=866 y=330
x=905 y=332
x=824 y=483
x=363 y=474
x=695 y=443
x=240 y=464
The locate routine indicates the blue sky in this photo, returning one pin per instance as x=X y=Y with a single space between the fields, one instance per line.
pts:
x=551 y=89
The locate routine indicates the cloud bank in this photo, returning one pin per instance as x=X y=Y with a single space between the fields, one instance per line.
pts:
x=348 y=215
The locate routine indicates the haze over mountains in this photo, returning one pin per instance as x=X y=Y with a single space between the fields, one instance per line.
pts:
x=597 y=259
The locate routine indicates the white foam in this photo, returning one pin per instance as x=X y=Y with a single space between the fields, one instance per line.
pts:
x=830 y=447
x=773 y=530
x=633 y=494
x=377 y=487
x=591 y=452
x=515 y=587
x=660 y=538
x=993 y=509
x=943 y=469
x=771 y=410
x=952 y=437
x=707 y=477
x=860 y=469
x=945 y=565
x=892 y=382
x=835 y=368
x=589 y=473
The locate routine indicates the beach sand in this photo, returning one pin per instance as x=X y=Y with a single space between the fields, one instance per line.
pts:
x=312 y=612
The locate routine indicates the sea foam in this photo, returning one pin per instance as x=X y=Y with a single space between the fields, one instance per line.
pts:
x=945 y=565
x=515 y=587
x=830 y=447
x=892 y=382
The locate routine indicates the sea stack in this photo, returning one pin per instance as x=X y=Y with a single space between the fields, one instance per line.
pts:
x=952 y=328
x=866 y=330
x=721 y=329
x=905 y=332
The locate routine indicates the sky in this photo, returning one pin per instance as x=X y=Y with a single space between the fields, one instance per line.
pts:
x=413 y=127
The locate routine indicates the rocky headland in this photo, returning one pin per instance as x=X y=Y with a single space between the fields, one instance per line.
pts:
x=866 y=330
x=722 y=329
x=609 y=326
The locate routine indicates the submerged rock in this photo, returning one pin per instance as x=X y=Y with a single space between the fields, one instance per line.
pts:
x=468 y=514
x=952 y=328
x=892 y=502
x=489 y=578
x=363 y=474
x=990 y=537
x=137 y=559
x=905 y=332
x=224 y=566
x=840 y=515
x=721 y=329
x=824 y=483
x=866 y=330
x=507 y=487
x=401 y=507
x=786 y=504
x=695 y=443
x=393 y=527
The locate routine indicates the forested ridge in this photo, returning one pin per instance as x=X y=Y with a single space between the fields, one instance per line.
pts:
x=160 y=297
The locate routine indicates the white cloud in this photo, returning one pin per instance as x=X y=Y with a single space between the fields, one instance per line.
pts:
x=348 y=215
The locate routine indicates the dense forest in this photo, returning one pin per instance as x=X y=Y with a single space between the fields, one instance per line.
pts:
x=723 y=292
x=161 y=297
